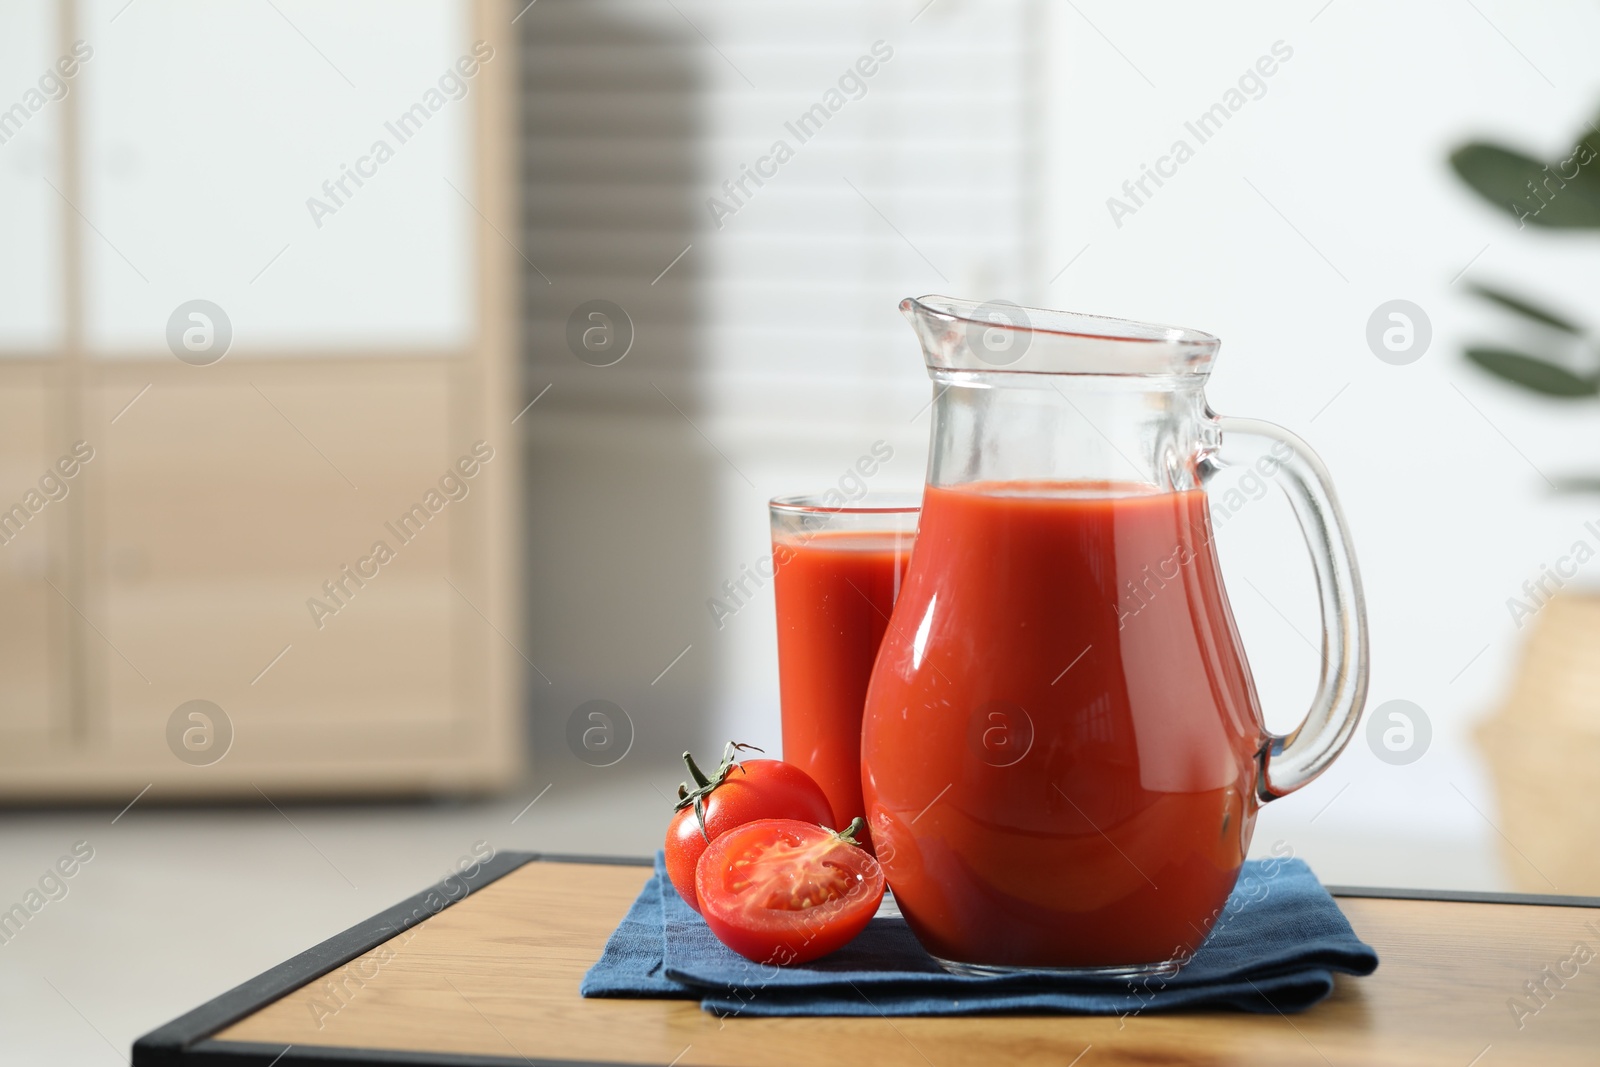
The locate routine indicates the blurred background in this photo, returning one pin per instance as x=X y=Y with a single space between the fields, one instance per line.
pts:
x=492 y=285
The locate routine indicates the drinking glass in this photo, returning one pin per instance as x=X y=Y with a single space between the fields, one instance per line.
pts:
x=838 y=568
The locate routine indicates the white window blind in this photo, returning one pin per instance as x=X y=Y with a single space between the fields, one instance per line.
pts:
x=917 y=181
x=647 y=123
x=896 y=153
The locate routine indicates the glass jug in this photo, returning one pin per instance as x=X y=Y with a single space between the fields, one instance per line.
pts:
x=1062 y=750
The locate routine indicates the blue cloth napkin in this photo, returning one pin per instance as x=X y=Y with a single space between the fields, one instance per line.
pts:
x=1275 y=948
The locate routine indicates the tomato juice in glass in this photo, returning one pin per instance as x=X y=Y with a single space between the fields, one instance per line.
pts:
x=838 y=572
x=1062 y=732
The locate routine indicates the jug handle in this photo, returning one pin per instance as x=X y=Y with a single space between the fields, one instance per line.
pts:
x=1289 y=761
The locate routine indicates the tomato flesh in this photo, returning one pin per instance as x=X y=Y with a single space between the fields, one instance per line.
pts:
x=780 y=891
x=754 y=789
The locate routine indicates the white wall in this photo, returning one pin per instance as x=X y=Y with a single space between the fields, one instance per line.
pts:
x=1349 y=144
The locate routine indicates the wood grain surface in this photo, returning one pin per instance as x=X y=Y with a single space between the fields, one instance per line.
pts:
x=497 y=975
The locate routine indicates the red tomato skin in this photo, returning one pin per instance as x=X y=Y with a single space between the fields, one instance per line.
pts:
x=805 y=939
x=764 y=789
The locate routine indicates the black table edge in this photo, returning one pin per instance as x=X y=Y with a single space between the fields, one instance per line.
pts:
x=210 y=1053
x=187 y=1040
x=1465 y=896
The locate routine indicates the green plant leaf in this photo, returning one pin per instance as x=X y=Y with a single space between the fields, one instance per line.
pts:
x=1586 y=176
x=1502 y=176
x=1522 y=307
x=1533 y=373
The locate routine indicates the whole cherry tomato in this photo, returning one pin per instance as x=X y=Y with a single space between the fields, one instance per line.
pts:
x=739 y=792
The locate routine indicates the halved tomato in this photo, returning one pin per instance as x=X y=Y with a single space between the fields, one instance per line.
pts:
x=780 y=891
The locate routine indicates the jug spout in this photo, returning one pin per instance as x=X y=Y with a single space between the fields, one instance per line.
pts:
x=996 y=335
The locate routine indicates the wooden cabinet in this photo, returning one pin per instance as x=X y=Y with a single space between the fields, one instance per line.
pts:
x=314 y=532
x=32 y=556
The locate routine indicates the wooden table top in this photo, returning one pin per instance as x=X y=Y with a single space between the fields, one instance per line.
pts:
x=493 y=979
